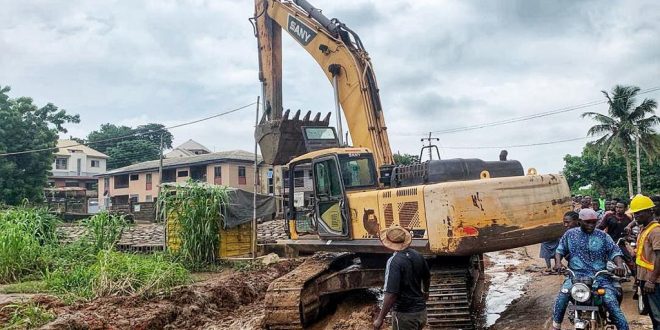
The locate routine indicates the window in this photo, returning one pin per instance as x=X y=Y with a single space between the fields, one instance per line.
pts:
x=241 y=175
x=121 y=181
x=270 y=181
x=135 y=177
x=134 y=198
x=357 y=171
x=148 y=198
x=71 y=183
x=169 y=175
x=327 y=179
x=148 y=180
x=198 y=173
x=61 y=163
x=182 y=174
x=96 y=163
x=106 y=185
x=217 y=175
x=91 y=185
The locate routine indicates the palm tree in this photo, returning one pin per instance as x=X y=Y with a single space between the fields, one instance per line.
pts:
x=625 y=125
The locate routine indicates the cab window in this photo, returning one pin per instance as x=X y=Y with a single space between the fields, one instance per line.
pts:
x=357 y=171
x=327 y=178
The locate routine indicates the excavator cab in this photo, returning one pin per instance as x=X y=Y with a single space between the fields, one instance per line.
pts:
x=319 y=203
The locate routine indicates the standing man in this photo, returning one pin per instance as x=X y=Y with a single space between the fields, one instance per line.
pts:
x=648 y=254
x=615 y=223
x=407 y=282
x=589 y=250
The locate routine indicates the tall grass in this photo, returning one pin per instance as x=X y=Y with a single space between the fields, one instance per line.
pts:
x=198 y=210
x=24 y=232
x=35 y=221
x=104 y=229
x=116 y=273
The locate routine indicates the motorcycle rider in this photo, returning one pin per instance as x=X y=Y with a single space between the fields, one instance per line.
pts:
x=648 y=254
x=590 y=249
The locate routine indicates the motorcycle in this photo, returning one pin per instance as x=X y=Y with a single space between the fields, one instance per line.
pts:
x=586 y=309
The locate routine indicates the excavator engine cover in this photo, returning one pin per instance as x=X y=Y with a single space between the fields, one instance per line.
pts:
x=458 y=169
x=281 y=140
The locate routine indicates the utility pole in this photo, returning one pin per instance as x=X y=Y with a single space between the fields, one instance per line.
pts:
x=160 y=177
x=429 y=139
x=639 y=175
x=254 y=194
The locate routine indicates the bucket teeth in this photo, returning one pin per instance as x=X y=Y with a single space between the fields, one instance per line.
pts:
x=281 y=139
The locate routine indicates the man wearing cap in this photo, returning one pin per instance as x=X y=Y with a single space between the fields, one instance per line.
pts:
x=589 y=250
x=407 y=281
x=648 y=254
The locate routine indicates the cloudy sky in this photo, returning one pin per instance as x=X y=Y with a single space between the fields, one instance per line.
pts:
x=439 y=64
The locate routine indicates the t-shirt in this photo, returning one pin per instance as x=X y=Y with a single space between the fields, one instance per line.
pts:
x=615 y=225
x=651 y=245
x=404 y=274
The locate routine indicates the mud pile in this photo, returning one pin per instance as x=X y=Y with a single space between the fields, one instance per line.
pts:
x=231 y=300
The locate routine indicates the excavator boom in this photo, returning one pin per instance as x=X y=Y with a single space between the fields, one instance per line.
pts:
x=342 y=57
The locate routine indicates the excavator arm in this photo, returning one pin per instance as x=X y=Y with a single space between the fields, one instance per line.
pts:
x=342 y=57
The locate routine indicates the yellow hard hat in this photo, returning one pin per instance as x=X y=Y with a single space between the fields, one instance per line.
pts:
x=641 y=203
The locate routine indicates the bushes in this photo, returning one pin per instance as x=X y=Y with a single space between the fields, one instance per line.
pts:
x=85 y=269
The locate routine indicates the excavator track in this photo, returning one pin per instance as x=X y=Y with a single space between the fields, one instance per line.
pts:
x=454 y=295
x=287 y=302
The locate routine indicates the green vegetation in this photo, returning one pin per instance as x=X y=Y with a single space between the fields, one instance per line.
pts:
x=24 y=232
x=27 y=316
x=197 y=209
x=27 y=127
x=86 y=269
x=140 y=144
x=625 y=125
x=104 y=229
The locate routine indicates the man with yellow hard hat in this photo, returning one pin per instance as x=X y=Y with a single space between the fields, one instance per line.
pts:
x=648 y=254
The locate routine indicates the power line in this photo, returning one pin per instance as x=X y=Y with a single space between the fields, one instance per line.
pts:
x=518 y=145
x=133 y=134
x=533 y=116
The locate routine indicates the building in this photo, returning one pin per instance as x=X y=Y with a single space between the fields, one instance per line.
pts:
x=139 y=182
x=76 y=166
x=187 y=149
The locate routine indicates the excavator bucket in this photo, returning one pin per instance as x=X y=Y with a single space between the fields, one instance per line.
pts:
x=281 y=140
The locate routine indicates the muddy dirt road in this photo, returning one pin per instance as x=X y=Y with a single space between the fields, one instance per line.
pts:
x=533 y=309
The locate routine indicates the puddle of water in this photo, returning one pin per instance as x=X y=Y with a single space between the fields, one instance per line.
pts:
x=504 y=286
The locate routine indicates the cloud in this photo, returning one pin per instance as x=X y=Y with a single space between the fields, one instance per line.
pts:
x=439 y=65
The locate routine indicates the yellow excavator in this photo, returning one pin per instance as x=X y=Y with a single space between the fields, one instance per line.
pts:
x=339 y=197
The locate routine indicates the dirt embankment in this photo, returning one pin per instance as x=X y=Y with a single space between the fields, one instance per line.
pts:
x=228 y=301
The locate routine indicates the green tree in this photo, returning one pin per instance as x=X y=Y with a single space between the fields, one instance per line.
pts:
x=131 y=152
x=126 y=146
x=606 y=178
x=405 y=159
x=626 y=120
x=23 y=127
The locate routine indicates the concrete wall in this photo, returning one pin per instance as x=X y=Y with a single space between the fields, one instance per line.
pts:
x=86 y=168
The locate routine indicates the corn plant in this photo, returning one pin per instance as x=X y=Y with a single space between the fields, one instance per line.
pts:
x=197 y=208
x=104 y=229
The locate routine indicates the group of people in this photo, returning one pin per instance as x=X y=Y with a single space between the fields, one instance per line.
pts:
x=589 y=243
x=613 y=218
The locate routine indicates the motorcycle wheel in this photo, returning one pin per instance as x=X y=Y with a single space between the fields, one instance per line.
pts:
x=642 y=302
